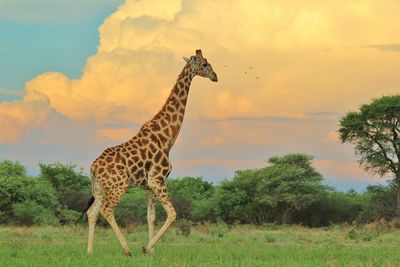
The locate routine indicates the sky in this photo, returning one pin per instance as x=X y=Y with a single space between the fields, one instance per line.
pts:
x=79 y=76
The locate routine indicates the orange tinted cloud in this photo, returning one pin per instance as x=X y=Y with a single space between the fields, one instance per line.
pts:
x=344 y=170
x=294 y=58
x=119 y=134
x=332 y=136
x=18 y=117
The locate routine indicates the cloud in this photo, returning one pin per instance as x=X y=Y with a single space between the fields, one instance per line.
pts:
x=323 y=113
x=115 y=87
x=18 y=117
x=332 y=136
x=386 y=47
x=342 y=170
x=142 y=42
x=116 y=134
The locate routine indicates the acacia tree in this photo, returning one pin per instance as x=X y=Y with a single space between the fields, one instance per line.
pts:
x=290 y=184
x=374 y=131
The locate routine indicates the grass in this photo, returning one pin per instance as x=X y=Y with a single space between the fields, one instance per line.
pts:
x=238 y=246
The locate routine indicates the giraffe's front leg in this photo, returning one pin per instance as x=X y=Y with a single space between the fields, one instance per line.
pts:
x=151 y=214
x=160 y=190
x=108 y=214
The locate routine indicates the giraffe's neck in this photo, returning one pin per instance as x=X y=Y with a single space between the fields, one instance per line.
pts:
x=170 y=117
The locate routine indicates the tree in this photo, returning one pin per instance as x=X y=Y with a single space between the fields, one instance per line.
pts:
x=273 y=193
x=133 y=207
x=334 y=207
x=248 y=209
x=72 y=187
x=374 y=131
x=17 y=187
x=13 y=179
x=230 y=202
x=381 y=203
x=11 y=169
x=189 y=196
x=290 y=184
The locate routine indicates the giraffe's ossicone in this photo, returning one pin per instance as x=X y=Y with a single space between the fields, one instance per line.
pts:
x=143 y=160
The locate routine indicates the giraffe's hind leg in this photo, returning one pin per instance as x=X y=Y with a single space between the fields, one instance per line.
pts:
x=107 y=210
x=93 y=213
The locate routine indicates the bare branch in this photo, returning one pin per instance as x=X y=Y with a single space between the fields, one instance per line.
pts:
x=391 y=163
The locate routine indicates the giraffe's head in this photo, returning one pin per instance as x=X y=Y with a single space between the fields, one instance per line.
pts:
x=201 y=67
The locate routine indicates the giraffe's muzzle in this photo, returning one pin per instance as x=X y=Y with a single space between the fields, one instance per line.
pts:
x=214 y=78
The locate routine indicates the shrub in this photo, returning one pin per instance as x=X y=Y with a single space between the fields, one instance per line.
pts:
x=11 y=192
x=68 y=216
x=352 y=234
x=71 y=187
x=16 y=187
x=184 y=227
x=133 y=207
x=29 y=213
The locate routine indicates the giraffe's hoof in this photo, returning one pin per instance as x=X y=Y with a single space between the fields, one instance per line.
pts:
x=144 y=250
x=128 y=254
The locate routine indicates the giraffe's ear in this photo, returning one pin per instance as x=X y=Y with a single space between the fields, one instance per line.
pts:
x=186 y=59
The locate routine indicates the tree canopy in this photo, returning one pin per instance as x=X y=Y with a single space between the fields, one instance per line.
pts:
x=374 y=131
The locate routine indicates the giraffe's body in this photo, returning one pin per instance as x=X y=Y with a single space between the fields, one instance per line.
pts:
x=143 y=160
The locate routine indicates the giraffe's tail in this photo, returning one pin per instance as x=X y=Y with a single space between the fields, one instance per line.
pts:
x=90 y=202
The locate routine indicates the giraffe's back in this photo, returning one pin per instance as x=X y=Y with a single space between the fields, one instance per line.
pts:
x=130 y=163
x=114 y=168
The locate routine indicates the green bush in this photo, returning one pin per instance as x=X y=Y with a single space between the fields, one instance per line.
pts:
x=184 y=227
x=68 y=216
x=42 y=193
x=16 y=187
x=133 y=207
x=203 y=210
x=352 y=234
x=72 y=187
x=11 y=192
x=30 y=213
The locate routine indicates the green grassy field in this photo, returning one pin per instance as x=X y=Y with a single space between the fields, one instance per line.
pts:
x=206 y=246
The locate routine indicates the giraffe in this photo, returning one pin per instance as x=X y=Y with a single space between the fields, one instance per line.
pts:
x=144 y=161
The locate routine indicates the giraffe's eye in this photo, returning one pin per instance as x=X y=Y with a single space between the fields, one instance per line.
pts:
x=205 y=65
